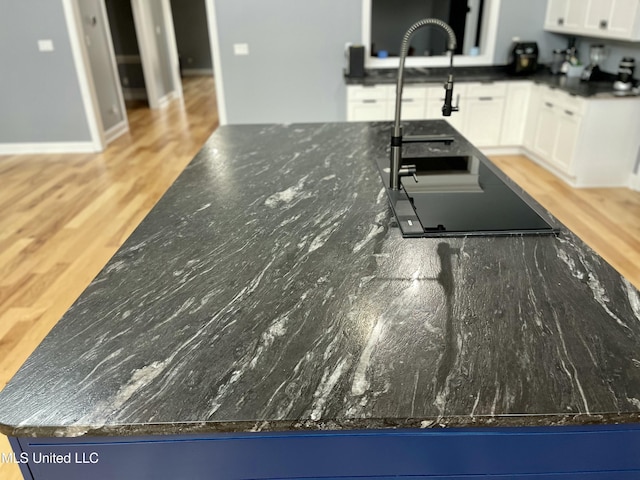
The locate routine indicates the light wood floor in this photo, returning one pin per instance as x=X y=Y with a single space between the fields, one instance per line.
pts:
x=63 y=216
x=607 y=219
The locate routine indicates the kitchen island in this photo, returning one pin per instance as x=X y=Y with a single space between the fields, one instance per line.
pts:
x=267 y=320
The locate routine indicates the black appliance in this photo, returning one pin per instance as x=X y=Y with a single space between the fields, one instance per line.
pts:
x=626 y=69
x=355 y=61
x=523 y=59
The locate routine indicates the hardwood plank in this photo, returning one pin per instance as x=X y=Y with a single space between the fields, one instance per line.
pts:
x=64 y=216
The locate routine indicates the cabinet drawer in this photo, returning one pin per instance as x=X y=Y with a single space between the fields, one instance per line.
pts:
x=412 y=92
x=365 y=92
x=494 y=89
x=564 y=101
x=436 y=92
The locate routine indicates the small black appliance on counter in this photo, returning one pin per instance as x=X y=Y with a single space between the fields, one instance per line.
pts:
x=523 y=59
x=354 y=61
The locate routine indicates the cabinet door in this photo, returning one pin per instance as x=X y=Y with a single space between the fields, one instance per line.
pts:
x=412 y=109
x=483 y=120
x=546 y=131
x=556 y=14
x=566 y=138
x=597 y=19
x=515 y=113
x=623 y=18
x=576 y=15
x=456 y=120
x=367 y=110
x=533 y=112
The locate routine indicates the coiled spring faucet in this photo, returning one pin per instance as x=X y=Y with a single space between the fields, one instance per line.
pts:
x=397 y=170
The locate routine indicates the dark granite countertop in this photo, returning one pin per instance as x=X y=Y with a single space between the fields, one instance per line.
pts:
x=573 y=86
x=269 y=290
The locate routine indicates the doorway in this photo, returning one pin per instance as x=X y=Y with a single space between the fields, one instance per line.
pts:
x=145 y=49
x=128 y=51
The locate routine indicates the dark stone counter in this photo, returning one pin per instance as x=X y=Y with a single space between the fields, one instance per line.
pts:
x=269 y=290
x=573 y=86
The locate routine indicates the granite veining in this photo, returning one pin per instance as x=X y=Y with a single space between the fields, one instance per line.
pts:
x=269 y=289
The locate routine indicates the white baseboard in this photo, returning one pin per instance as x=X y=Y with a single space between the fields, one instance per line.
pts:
x=197 y=72
x=134 y=93
x=634 y=181
x=164 y=101
x=502 y=150
x=47 y=147
x=115 y=131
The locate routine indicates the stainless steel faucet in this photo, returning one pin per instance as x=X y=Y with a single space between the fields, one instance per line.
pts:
x=397 y=170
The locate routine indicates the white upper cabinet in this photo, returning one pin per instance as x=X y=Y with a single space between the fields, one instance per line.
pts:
x=616 y=19
x=624 y=19
x=556 y=14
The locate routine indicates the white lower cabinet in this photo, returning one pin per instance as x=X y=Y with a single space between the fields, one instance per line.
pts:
x=435 y=101
x=481 y=110
x=586 y=142
x=556 y=136
x=368 y=110
x=369 y=103
x=483 y=120
x=515 y=113
x=546 y=131
x=564 y=148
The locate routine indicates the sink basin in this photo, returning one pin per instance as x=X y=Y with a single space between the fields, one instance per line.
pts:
x=460 y=195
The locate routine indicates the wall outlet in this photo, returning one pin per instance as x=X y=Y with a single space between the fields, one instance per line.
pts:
x=241 y=49
x=45 y=45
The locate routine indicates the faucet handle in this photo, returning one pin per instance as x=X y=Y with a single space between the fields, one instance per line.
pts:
x=408 y=171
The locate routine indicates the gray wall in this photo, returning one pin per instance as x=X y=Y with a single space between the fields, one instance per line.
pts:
x=615 y=51
x=294 y=70
x=100 y=52
x=525 y=19
x=192 y=33
x=40 y=98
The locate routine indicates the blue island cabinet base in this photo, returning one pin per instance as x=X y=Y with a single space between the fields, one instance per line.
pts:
x=563 y=453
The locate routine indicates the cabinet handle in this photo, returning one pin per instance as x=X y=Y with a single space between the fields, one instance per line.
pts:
x=569 y=112
x=407 y=100
x=548 y=104
x=560 y=21
x=484 y=99
x=604 y=24
x=369 y=101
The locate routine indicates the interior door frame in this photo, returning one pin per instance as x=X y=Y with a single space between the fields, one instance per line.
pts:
x=123 y=126
x=173 y=48
x=212 y=22
x=149 y=54
x=83 y=72
x=100 y=137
